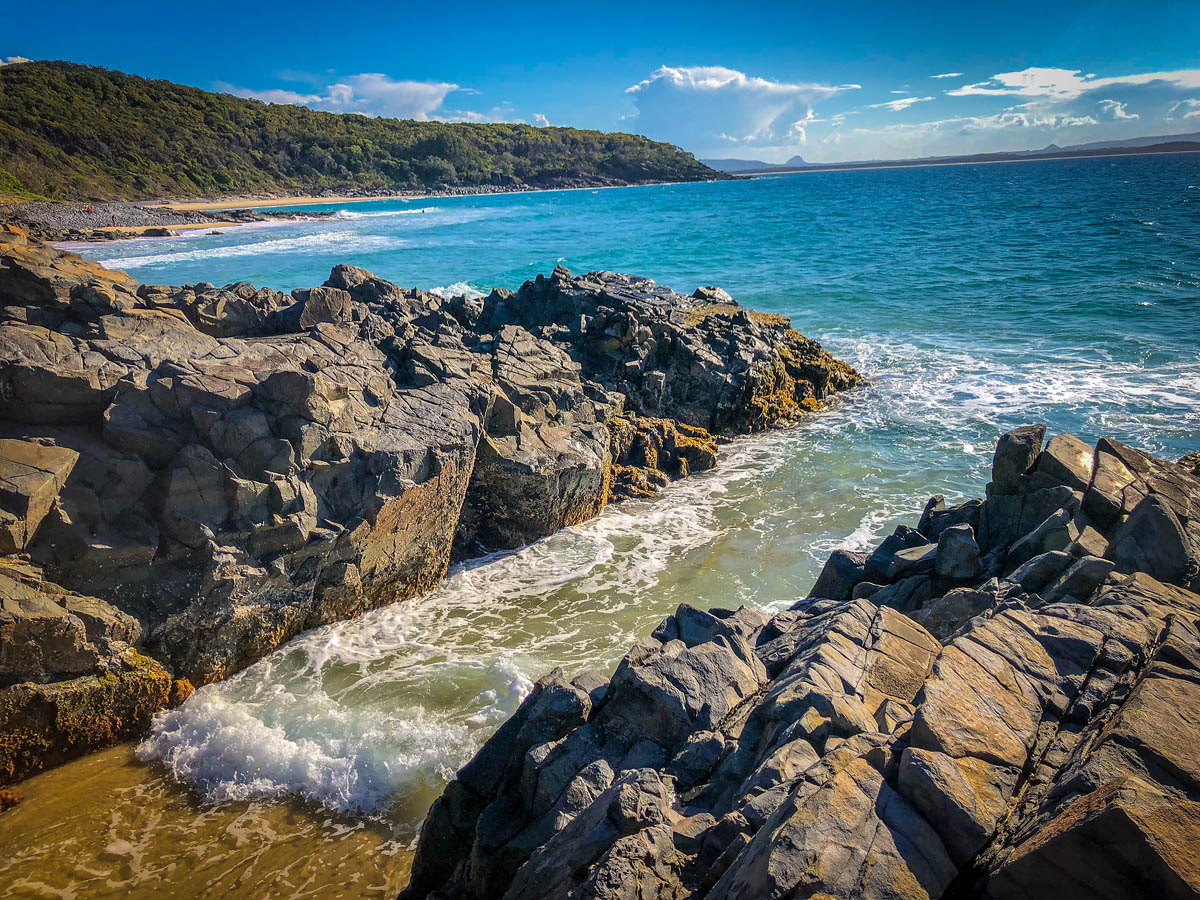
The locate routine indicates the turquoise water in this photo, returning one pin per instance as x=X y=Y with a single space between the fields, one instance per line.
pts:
x=976 y=298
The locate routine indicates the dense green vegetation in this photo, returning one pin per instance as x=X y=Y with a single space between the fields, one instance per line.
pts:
x=77 y=132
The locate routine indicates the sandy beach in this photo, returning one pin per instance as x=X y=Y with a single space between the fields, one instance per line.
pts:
x=191 y=226
x=268 y=202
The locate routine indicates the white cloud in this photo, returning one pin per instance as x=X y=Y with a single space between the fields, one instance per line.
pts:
x=1114 y=111
x=1029 y=117
x=897 y=105
x=705 y=107
x=948 y=75
x=1189 y=107
x=1067 y=84
x=13 y=60
x=540 y=120
x=370 y=93
x=501 y=113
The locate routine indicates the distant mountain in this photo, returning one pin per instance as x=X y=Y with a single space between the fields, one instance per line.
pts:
x=72 y=132
x=736 y=165
x=755 y=165
x=1178 y=143
x=1192 y=137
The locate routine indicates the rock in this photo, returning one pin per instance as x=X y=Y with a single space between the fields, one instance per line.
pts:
x=963 y=514
x=944 y=616
x=1015 y=455
x=846 y=834
x=665 y=692
x=1056 y=532
x=647 y=453
x=322 y=304
x=912 y=561
x=843 y=571
x=1047 y=746
x=876 y=567
x=704 y=363
x=1191 y=463
x=1089 y=543
x=31 y=477
x=43 y=725
x=958 y=554
x=1068 y=461
x=229 y=465
x=1041 y=571
x=1080 y=580
x=1154 y=541
x=963 y=799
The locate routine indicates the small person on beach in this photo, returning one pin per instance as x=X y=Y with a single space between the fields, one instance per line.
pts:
x=114 y=220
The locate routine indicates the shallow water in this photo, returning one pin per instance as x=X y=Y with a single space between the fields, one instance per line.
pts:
x=110 y=827
x=977 y=297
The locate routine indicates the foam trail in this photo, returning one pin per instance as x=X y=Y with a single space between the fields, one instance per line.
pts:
x=328 y=240
x=459 y=289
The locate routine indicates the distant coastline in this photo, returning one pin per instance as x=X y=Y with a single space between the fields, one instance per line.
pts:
x=1164 y=149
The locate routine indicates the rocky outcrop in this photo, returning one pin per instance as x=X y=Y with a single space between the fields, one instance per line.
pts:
x=215 y=469
x=1000 y=702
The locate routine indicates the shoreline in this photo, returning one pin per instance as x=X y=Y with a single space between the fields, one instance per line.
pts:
x=310 y=200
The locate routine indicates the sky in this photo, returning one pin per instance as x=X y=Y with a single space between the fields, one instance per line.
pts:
x=765 y=81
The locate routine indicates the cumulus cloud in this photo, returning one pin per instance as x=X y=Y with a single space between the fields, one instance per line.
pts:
x=897 y=105
x=13 y=60
x=1068 y=84
x=371 y=93
x=1113 y=111
x=948 y=75
x=706 y=108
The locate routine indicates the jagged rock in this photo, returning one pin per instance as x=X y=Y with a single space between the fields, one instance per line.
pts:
x=843 y=571
x=1015 y=455
x=1067 y=460
x=703 y=362
x=912 y=561
x=1046 y=749
x=963 y=514
x=844 y=832
x=647 y=453
x=666 y=691
x=958 y=554
x=32 y=475
x=877 y=565
x=251 y=464
x=936 y=505
x=944 y=616
x=42 y=725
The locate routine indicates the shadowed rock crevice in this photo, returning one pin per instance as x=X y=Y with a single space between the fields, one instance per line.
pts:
x=215 y=469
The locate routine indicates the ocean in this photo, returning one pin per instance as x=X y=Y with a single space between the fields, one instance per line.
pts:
x=976 y=298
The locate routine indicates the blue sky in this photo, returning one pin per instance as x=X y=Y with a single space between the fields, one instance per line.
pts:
x=764 y=81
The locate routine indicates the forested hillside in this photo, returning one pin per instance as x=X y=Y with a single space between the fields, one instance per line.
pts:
x=77 y=132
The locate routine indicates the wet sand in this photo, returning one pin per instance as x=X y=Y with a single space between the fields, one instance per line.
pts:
x=108 y=826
